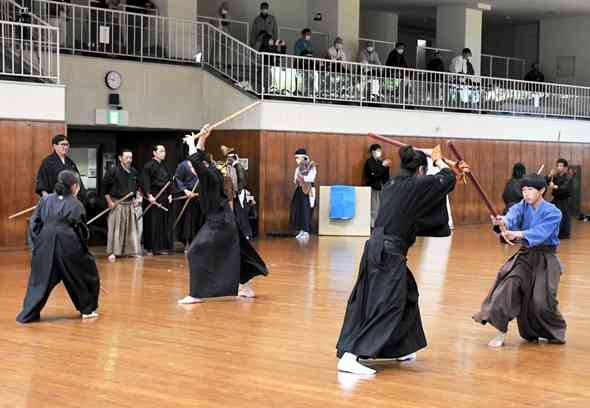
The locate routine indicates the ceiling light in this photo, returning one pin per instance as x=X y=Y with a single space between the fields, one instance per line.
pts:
x=484 y=6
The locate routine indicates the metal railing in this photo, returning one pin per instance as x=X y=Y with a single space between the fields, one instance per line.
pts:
x=237 y=29
x=95 y=30
x=29 y=51
x=503 y=67
x=319 y=80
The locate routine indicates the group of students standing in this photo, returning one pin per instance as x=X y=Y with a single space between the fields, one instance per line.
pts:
x=58 y=230
x=382 y=317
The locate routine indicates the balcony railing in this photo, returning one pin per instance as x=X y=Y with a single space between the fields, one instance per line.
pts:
x=320 y=80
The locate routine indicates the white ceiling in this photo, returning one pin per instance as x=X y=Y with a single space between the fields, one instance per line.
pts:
x=509 y=11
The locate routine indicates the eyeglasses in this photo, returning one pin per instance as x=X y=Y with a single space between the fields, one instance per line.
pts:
x=63 y=144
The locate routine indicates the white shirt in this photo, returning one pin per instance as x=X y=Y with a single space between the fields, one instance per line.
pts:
x=458 y=65
x=336 y=55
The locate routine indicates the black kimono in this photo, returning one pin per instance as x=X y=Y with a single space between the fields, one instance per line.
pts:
x=241 y=207
x=512 y=194
x=157 y=223
x=561 y=197
x=58 y=233
x=49 y=170
x=376 y=175
x=219 y=258
x=192 y=218
x=382 y=317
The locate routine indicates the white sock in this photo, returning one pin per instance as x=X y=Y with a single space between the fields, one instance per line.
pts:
x=409 y=357
x=189 y=300
x=246 y=291
x=497 y=341
x=349 y=364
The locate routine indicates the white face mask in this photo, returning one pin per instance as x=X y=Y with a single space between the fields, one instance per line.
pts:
x=377 y=154
x=338 y=46
x=298 y=160
x=370 y=49
x=271 y=43
x=224 y=12
x=307 y=38
x=400 y=51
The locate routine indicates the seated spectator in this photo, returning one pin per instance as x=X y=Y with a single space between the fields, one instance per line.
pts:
x=336 y=51
x=461 y=64
x=396 y=57
x=369 y=56
x=303 y=46
x=436 y=63
x=264 y=22
x=535 y=75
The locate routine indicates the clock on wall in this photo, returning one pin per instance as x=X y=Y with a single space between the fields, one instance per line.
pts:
x=113 y=80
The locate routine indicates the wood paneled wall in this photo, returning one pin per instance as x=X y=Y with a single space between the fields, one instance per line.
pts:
x=23 y=145
x=341 y=158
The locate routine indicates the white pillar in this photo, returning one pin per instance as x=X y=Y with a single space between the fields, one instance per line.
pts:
x=339 y=18
x=459 y=27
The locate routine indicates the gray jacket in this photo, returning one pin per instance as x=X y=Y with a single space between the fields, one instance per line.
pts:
x=268 y=24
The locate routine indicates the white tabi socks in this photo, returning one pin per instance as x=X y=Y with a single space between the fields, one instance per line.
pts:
x=349 y=364
x=497 y=341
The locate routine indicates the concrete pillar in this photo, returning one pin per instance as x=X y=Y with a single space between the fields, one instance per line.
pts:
x=339 y=18
x=459 y=27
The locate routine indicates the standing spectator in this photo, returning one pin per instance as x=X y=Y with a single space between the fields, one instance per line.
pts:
x=396 y=57
x=461 y=63
x=534 y=75
x=436 y=63
x=264 y=22
x=304 y=48
x=369 y=84
x=224 y=24
x=336 y=51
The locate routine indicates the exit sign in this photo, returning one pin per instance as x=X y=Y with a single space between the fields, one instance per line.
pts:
x=114 y=117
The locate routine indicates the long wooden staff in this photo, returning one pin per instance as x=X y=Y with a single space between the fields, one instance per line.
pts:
x=156 y=200
x=391 y=141
x=235 y=114
x=115 y=204
x=185 y=206
x=540 y=169
x=23 y=212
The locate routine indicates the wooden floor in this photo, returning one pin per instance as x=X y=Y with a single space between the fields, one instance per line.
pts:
x=278 y=350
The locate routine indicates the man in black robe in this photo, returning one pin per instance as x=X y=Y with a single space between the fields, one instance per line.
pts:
x=120 y=180
x=382 y=316
x=396 y=57
x=157 y=223
x=221 y=261
x=561 y=185
x=55 y=163
x=58 y=234
x=376 y=174
x=187 y=184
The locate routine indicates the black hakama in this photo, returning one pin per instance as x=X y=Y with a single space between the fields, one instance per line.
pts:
x=382 y=317
x=219 y=258
x=191 y=220
x=526 y=289
x=301 y=212
x=243 y=217
x=157 y=223
x=157 y=226
x=561 y=198
x=58 y=234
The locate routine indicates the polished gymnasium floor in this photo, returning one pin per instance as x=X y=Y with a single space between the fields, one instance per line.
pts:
x=278 y=350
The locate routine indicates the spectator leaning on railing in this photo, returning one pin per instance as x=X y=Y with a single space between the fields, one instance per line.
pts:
x=461 y=64
x=336 y=51
x=396 y=57
x=535 y=75
x=369 y=56
x=264 y=22
x=303 y=46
